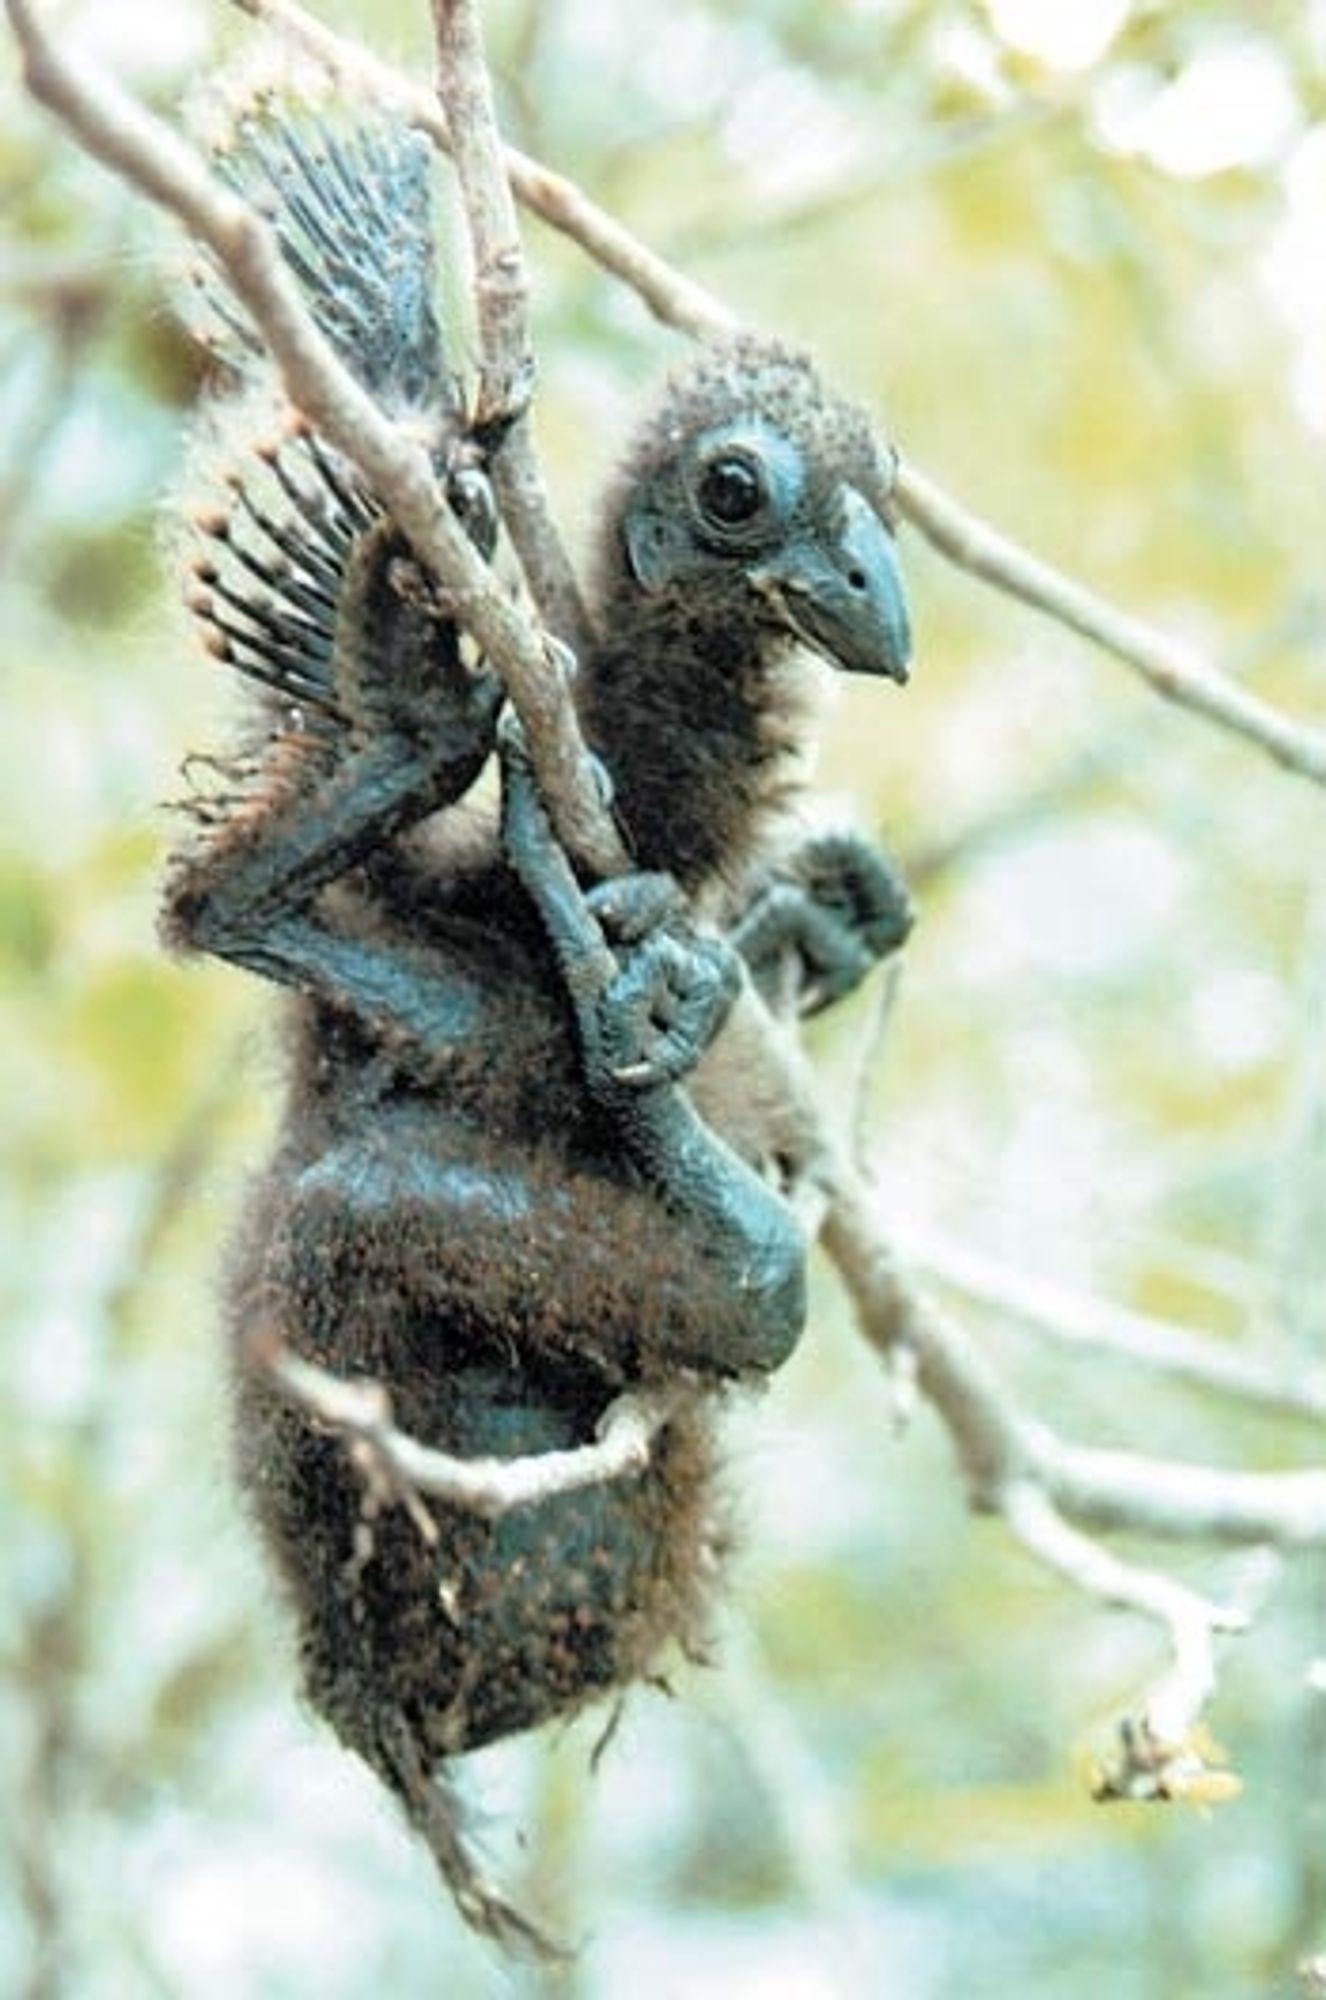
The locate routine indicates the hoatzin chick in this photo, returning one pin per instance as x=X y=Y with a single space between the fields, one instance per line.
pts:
x=491 y=1192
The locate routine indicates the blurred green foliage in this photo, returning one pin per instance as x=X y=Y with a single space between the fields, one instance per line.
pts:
x=1091 y=299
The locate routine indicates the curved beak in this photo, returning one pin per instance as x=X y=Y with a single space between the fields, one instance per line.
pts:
x=845 y=599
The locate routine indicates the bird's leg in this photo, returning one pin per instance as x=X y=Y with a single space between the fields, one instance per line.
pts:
x=828 y=914
x=649 y=994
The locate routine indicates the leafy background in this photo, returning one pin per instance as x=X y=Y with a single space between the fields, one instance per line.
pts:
x=1076 y=257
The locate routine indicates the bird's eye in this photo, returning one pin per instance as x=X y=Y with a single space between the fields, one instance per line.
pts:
x=730 y=491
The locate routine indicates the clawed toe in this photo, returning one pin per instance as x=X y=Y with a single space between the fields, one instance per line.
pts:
x=665 y=1007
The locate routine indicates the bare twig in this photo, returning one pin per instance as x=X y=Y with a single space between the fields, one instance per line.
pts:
x=1048 y=1489
x=395 y=465
x=1173 y=669
x=1168 y=1717
x=361 y=1412
x=1072 y=1319
x=1001 y=1449
x=1113 y=1490
x=501 y=290
x=501 y=286
x=994 y=1443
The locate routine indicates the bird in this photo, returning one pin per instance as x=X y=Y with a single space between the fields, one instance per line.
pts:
x=492 y=1192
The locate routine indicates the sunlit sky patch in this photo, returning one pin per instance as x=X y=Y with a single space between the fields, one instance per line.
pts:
x=1232 y=105
x=1064 y=34
x=145 y=42
x=1239 y=1016
x=791 y=134
x=1294 y=270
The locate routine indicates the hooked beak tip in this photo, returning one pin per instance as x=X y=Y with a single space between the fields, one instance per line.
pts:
x=847 y=601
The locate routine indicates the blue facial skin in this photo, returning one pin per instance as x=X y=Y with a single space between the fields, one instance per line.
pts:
x=825 y=565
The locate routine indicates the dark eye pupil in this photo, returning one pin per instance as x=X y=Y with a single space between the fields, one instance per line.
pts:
x=730 y=491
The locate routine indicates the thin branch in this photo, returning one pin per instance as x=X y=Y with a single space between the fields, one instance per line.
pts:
x=1160 y=1751
x=501 y=286
x=1190 y=1620
x=1074 y=1320
x=1171 y=668
x=1049 y=1490
x=995 y=1444
x=1001 y=1450
x=395 y=465
x=501 y=289
x=361 y=1413
x=1109 y=1490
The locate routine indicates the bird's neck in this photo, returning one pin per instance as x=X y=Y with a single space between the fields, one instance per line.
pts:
x=703 y=732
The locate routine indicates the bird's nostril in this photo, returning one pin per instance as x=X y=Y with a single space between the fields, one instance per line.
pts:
x=856 y=579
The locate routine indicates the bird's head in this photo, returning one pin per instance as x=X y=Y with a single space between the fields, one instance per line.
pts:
x=757 y=504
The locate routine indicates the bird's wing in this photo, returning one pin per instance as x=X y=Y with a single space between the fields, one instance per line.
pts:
x=277 y=540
